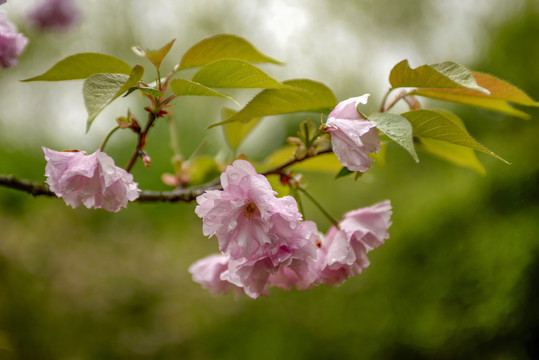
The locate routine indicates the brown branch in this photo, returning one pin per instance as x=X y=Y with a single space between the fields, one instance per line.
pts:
x=42 y=189
x=33 y=188
x=146 y=196
x=280 y=168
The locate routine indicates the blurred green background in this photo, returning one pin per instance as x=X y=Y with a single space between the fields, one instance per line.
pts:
x=458 y=279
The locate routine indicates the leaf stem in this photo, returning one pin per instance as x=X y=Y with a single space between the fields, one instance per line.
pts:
x=174 y=143
x=104 y=142
x=384 y=99
x=319 y=206
x=158 y=77
x=401 y=95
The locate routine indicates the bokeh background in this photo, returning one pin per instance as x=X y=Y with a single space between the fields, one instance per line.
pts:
x=457 y=279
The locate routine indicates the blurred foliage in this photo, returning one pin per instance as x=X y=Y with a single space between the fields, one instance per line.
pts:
x=456 y=280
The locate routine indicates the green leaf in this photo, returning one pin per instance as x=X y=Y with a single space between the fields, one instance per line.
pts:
x=99 y=90
x=235 y=132
x=301 y=95
x=501 y=94
x=155 y=56
x=182 y=87
x=222 y=46
x=397 y=128
x=444 y=126
x=82 y=66
x=344 y=172
x=234 y=73
x=455 y=154
x=446 y=75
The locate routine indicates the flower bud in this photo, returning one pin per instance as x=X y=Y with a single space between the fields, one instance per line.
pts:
x=145 y=158
x=352 y=136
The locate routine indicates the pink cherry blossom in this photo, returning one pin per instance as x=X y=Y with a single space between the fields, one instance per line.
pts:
x=11 y=43
x=207 y=272
x=343 y=252
x=353 y=137
x=54 y=14
x=92 y=180
x=259 y=232
x=243 y=214
x=284 y=266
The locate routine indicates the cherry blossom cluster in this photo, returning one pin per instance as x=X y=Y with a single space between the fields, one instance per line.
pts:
x=264 y=241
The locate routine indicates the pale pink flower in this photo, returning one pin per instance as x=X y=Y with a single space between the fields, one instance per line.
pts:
x=12 y=43
x=54 y=14
x=353 y=137
x=343 y=252
x=92 y=180
x=207 y=272
x=259 y=232
x=243 y=213
x=300 y=274
x=288 y=265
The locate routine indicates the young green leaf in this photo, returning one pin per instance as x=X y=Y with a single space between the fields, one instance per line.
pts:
x=344 y=172
x=455 y=154
x=446 y=75
x=82 y=66
x=155 y=56
x=182 y=87
x=397 y=128
x=234 y=73
x=235 y=132
x=222 y=46
x=300 y=95
x=501 y=94
x=99 y=90
x=444 y=126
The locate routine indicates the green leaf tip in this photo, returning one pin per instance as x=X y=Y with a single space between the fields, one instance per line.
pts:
x=223 y=46
x=344 y=172
x=82 y=66
x=154 y=56
x=444 y=126
x=455 y=154
x=182 y=87
x=236 y=132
